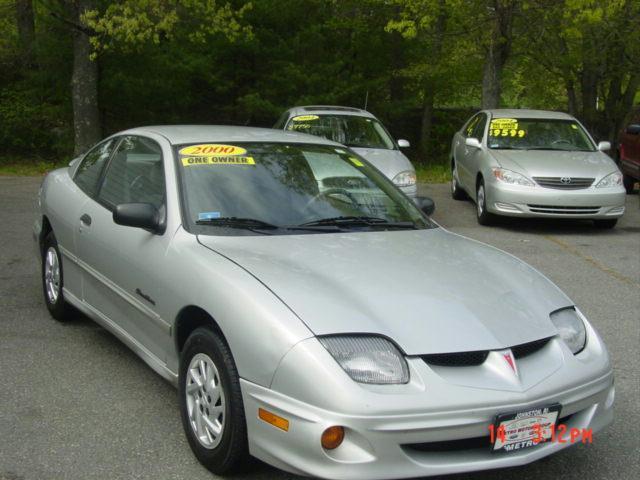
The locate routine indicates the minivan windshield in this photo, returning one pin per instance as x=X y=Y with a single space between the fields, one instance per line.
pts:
x=277 y=188
x=350 y=130
x=538 y=134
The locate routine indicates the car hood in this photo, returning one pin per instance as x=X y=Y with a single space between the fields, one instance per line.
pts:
x=389 y=162
x=430 y=291
x=551 y=163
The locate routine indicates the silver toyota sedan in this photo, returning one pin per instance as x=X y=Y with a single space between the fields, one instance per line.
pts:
x=336 y=333
x=359 y=130
x=533 y=163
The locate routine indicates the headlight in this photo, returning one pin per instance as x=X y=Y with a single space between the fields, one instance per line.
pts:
x=512 y=178
x=368 y=359
x=571 y=328
x=612 y=180
x=405 y=179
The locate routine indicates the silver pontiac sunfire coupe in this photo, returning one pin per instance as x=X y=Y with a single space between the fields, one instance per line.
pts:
x=328 y=328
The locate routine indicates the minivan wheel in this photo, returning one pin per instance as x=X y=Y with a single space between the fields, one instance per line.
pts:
x=211 y=403
x=484 y=217
x=457 y=193
x=52 y=279
x=605 y=224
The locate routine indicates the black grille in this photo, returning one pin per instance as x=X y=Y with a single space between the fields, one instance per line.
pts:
x=563 y=210
x=525 y=349
x=569 y=183
x=471 y=359
x=461 y=359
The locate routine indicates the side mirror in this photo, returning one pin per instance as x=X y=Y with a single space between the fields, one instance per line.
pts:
x=426 y=204
x=633 y=129
x=472 y=142
x=403 y=143
x=139 y=215
x=604 y=146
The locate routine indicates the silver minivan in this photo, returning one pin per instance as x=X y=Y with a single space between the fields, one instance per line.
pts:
x=359 y=130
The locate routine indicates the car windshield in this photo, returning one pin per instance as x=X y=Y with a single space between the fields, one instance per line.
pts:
x=538 y=134
x=277 y=188
x=350 y=130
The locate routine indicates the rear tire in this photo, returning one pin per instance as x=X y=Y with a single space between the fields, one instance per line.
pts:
x=628 y=182
x=53 y=279
x=211 y=401
x=605 y=224
x=457 y=193
x=484 y=217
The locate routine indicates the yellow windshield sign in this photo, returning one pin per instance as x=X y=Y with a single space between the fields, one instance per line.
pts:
x=212 y=150
x=219 y=160
x=305 y=118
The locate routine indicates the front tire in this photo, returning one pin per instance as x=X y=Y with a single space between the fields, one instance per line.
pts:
x=484 y=217
x=605 y=224
x=457 y=193
x=628 y=182
x=211 y=403
x=53 y=279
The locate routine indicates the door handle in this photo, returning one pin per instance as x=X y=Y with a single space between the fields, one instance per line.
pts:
x=85 y=219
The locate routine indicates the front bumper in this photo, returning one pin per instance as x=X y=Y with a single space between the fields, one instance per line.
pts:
x=589 y=203
x=390 y=429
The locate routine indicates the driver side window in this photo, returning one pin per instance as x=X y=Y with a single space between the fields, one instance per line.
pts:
x=135 y=174
x=470 y=127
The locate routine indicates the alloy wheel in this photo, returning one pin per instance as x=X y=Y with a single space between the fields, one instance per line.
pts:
x=52 y=275
x=205 y=400
x=480 y=200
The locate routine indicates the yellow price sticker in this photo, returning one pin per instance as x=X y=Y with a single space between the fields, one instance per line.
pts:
x=305 y=118
x=356 y=162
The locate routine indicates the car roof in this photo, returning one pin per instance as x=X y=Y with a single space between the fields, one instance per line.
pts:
x=329 y=110
x=526 y=113
x=180 y=134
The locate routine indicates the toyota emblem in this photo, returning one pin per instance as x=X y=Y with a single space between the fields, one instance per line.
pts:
x=566 y=180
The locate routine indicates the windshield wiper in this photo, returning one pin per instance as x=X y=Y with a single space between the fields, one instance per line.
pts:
x=352 y=221
x=549 y=148
x=237 y=222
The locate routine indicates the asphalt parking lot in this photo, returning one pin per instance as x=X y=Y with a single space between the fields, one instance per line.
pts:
x=75 y=403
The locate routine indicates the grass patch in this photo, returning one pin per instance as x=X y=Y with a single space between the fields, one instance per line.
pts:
x=433 y=173
x=23 y=168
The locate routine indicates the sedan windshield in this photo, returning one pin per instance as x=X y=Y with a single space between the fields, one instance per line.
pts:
x=275 y=188
x=538 y=134
x=350 y=130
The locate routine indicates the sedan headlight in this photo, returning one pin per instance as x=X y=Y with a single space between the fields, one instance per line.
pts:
x=571 y=328
x=511 y=177
x=405 y=179
x=612 y=180
x=368 y=359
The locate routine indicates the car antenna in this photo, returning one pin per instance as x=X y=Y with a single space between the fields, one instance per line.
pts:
x=366 y=100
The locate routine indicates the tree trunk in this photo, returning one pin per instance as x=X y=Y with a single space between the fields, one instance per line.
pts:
x=572 y=100
x=497 y=52
x=26 y=30
x=426 y=124
x=84 y=86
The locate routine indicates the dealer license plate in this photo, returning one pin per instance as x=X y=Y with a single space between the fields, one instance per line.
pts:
x=520 y=430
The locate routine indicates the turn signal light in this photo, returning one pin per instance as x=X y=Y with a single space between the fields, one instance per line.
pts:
x=273 y=419
x=332 y=437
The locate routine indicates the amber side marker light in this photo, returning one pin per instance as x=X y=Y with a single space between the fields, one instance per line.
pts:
x=332 y=437
x=273 y=419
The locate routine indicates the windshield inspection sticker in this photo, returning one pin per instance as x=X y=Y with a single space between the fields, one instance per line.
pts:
x=208 y=215
x=305 y=118
x=212 y=150
x=219 y=160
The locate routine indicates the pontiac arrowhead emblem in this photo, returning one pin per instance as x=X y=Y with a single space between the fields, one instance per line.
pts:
x=508 y=357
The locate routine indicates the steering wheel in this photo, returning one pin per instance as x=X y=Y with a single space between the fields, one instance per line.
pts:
x=333 y=191
x=562 y=140
x=138 y=185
